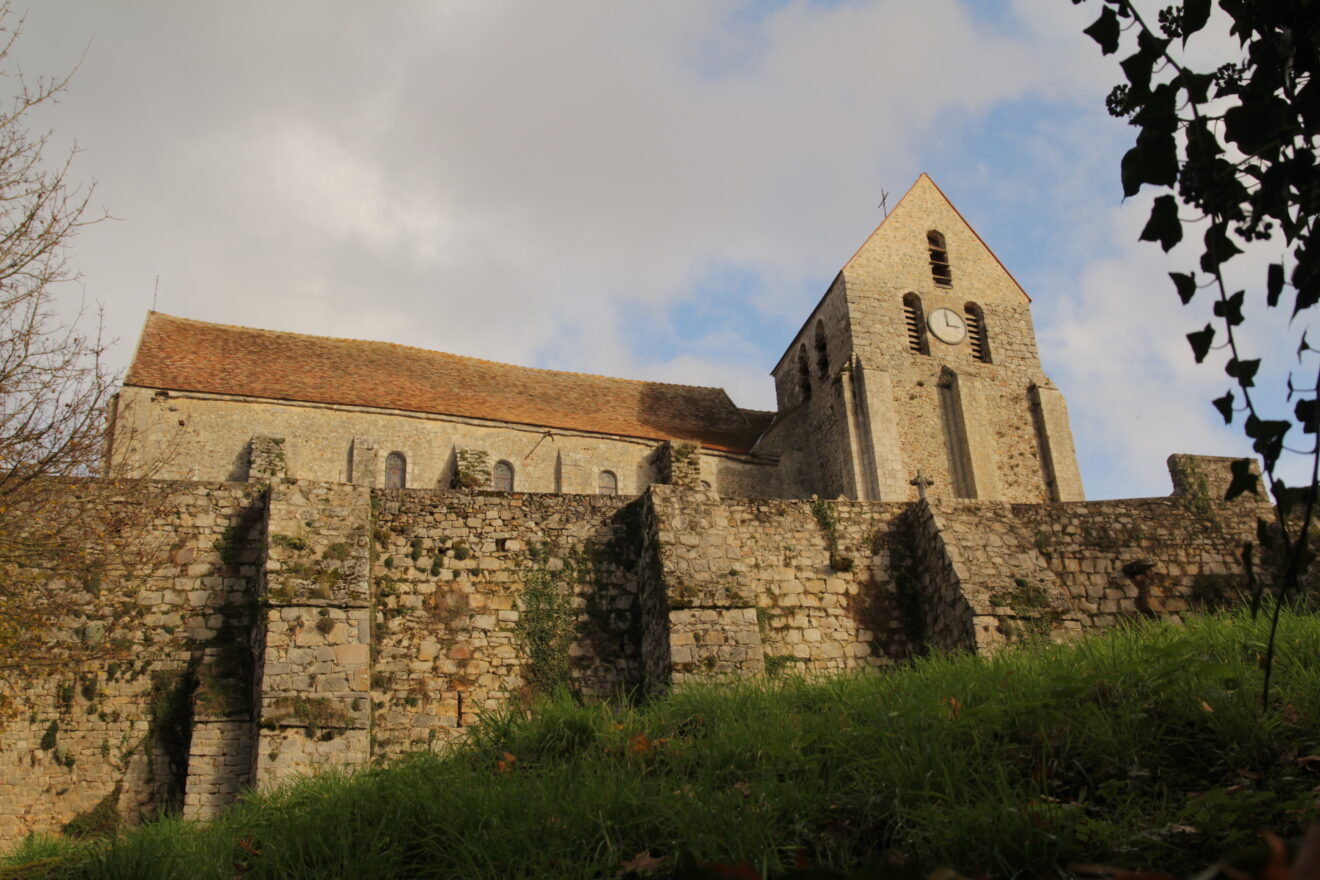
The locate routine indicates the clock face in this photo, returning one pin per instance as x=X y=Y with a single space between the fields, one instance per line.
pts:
x=947 y=326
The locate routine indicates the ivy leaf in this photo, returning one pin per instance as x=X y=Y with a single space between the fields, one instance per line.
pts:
x=1163 y=225
x=1264 y=534
x=1195 y=13
x=1219 y=248
x=1159 y=112
x=1138 y=66
x=1273 y=284
x=1186 y=285
x=1306 y=281
x=1153 y=160
x=1200 y=341
x=1306 y=412
x=1308 y=103
x=1268 y=437
x=1104 y=30
x=1197 y=85
x=1231 y=309
x=1243 y=479
x=1287 y=497
x=1243 y=371
x=1225 y=406
x=1258 y=125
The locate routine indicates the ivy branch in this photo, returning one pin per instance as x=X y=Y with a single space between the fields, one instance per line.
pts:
x=1238 y=147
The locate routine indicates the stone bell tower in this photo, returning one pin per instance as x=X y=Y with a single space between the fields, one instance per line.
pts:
x=919 y=366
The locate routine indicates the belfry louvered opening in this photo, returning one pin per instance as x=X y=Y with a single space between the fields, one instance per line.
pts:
x=940 y=270
x=915 y=319
x=976 y=333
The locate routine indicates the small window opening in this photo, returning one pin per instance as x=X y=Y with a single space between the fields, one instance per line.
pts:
x=804 y=373
x=396 y=471
x=915 y=319
x=607 y=483
x=940 y=270
x=822 y=353
x=976 y=332
x=501 y=477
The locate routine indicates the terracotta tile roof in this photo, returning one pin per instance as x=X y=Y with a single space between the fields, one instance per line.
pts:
x=179 y=354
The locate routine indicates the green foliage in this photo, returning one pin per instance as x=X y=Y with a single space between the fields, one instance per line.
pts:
x=224 y=682
x=1034 y=613
x=229 y=545
x=337 y=552
x=546 y=622
x=289 y=542
x=1141 y=748
x=471 y=469
x=50 y=738
x=101 y=820
x=681 y=452
x=1232 y=149
x=825 y=516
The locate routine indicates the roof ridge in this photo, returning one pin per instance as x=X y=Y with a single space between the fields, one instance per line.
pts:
x=431 y=351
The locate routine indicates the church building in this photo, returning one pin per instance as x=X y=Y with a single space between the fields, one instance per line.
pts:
x=917 y=371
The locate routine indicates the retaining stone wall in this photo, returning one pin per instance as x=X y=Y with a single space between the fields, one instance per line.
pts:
x=750 y=585
x=87 y=732
x=281 y=629
x=1180 y=552
x=447 y=573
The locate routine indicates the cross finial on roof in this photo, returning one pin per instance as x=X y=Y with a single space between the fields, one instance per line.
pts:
x=884 y=200
x=922 y=483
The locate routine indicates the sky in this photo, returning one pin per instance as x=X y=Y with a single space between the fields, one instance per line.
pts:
x=653 y=190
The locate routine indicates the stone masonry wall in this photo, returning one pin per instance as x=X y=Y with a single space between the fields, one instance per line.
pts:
x=1159 y=556
x=313 y=637
x=448 y=573
x=752 y=585
x=982 y=581
x=272 y=630
x=114 y=727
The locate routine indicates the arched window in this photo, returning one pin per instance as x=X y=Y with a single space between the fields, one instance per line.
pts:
x=501 y=477
x=607 y=483
x=822 y=353
x=976 y=332
x=804 y=373
x=915 y=319
x=396 y=471
x=940 y=270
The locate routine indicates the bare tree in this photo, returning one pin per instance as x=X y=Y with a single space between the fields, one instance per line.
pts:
x=59 y=514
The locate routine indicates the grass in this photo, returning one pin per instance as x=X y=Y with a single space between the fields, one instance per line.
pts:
x=1145 y=747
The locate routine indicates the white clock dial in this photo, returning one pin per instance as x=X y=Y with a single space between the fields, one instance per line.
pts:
x=947 y=326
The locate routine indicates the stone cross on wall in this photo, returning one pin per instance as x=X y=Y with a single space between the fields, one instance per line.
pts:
x=922 y=483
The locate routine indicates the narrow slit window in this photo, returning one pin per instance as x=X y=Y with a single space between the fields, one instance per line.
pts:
x=822 y=353
x=396 y=471
x=915 y=319
x=607 y=483
x=940 y=270
x=804 y=373
x=501 y=477
x=976 y=333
